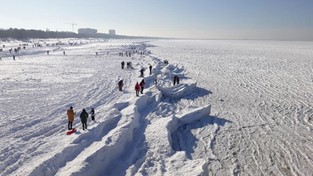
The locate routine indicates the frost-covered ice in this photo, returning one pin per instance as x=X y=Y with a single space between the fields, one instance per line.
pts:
x=242 y=108
x=263 y=90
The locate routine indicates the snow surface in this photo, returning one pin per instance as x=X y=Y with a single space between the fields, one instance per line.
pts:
x=242 y=108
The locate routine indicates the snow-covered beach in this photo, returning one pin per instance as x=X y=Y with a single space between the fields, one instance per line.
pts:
x=241 y=108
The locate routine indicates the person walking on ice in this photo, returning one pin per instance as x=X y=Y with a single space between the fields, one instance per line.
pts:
x=137 y=89
x=142 y=72
x=150 y=68
x=83 y=118
x=122 y=64
x=92 y=113
x=176 y=80
x=70 y=116
x=120 y=85
x=142 y=85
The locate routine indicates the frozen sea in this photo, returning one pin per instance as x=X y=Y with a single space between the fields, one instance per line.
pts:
x=265 y=90
x=241 y=108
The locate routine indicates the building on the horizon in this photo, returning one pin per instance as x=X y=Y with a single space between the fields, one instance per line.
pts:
x=112 y=32
x=87 y=31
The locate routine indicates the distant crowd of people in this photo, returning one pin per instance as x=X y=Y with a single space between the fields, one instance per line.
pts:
x=139 y=88
x=15 y=51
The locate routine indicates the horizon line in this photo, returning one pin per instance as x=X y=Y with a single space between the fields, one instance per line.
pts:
x=175 y=38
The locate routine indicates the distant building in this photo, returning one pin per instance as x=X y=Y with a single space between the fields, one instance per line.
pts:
x=87 y=31
x=111 y=32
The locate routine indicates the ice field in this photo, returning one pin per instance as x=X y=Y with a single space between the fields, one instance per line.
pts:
x=241 y=108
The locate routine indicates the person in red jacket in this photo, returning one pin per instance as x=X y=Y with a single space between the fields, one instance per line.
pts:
x=137 y=88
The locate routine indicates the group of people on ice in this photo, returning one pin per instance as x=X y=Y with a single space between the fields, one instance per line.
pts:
x=83 y=117
x=128 y=64
x=139 y=87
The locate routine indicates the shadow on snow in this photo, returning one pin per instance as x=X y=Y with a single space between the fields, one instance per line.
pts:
x=185 y=140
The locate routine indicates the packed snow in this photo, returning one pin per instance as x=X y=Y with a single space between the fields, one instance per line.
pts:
x=241 y=107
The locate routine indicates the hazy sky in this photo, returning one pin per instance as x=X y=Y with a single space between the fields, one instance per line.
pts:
x=213 y=19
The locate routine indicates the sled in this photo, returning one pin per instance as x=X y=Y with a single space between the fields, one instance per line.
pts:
x=69 y=132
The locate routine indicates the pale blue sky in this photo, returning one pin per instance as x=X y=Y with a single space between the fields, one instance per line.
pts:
x=213 y=19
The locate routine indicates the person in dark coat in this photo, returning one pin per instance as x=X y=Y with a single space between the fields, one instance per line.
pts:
x=150 y=68
x=137 y=88
x=142 y=85
x=176 y=80
x=92 y=113
x=142 y=72
x=122 y=64
x=120 y=85
x=83 y=118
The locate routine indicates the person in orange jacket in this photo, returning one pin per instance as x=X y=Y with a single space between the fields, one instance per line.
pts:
x=137 y=88
x=70 y=116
